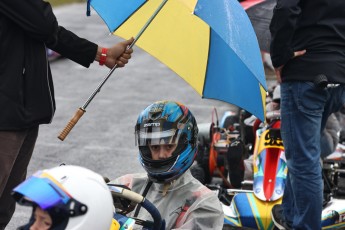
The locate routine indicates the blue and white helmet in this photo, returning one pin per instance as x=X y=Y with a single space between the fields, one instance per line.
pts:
x=75 y=197
x=166 y=122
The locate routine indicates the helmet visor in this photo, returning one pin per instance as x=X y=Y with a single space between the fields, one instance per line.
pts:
x=41 y=190
x=158 y=132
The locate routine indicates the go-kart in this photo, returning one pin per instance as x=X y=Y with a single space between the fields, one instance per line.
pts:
x=221 y=151
x=249 y=206
x=252 y=208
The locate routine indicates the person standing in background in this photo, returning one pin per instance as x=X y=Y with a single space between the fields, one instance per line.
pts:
x=308 y=53
x=27 y=28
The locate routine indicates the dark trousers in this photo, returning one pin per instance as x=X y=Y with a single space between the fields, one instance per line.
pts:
x=16 y=149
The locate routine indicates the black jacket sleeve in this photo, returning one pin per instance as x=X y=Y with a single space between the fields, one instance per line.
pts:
x=35 y=17
x=73 y=47
x=38 y=21
x=282 y=29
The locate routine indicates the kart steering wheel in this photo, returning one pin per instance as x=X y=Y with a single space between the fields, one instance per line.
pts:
x=118 y=191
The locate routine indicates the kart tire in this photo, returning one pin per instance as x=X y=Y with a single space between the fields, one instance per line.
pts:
x=203 y=161
x=235 y=162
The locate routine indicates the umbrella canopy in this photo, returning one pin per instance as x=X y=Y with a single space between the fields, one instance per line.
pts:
x=210 y=44
x=260 y=13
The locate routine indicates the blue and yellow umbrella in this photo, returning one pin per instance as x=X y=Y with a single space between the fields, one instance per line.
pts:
x=211 y=44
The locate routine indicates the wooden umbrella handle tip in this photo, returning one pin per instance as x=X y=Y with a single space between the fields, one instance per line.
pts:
x=71 y=124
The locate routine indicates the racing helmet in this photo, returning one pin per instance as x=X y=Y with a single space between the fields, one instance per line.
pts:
x=76 y=198
x=161 y=123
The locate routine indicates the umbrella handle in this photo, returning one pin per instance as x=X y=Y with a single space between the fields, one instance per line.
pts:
x=80 y=112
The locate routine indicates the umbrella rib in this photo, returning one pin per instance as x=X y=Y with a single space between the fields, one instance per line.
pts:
x=208 y=56
x=149 y=21
x=126 y=19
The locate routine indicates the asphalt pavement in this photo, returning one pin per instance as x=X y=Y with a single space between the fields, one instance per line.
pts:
x=103 y=139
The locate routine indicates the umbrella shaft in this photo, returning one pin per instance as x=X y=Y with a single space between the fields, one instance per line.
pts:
x=98 y=89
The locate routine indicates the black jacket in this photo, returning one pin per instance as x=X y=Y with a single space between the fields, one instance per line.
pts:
x=315 y=25
x=27 y=27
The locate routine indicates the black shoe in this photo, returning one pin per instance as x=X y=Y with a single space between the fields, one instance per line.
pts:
x=278 y=218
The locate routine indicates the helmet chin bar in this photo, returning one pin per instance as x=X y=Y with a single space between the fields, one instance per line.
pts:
x=60 y=214
x=156 y=166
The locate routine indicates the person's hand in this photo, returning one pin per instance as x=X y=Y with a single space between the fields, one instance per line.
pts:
x=299 y=53
x=118 y=54
x=279 y=69
x=278 y=72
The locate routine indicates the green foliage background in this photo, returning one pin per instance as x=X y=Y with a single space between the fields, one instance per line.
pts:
x=63 y=2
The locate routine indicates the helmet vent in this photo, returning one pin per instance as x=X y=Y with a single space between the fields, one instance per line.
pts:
x=155 y=115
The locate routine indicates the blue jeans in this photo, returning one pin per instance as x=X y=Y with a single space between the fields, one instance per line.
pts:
x=304 y=112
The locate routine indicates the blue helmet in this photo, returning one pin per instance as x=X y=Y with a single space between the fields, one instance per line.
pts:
x=162 y=123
